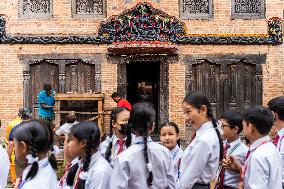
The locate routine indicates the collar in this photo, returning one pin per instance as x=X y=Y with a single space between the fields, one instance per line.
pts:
x=115 y=138
x=259 y=142
x=175 y=151
x=44 y=162
x=204 y=127
x=139 y=139
x=95 y=158
x=281 y=132
x=234 y=142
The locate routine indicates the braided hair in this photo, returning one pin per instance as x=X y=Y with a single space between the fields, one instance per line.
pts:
x=90 y=132
x=197 y=100
x=142 y=117
x=113 y=118
x=36 y=135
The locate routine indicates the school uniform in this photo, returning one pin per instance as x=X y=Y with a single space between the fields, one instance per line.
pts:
x=176 y=154
x=263 y=167
x=116 y=147
x=99 y=173
x=62 y=184
x=44 y=179
x=280 y=146
x=4 y=167
x=130 y=170
x=200 y=159
x=239 y=150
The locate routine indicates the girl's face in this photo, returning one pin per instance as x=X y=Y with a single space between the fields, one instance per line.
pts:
x=169 y=137
x=228 y=130
x=76 y=148
x=193 y=115
x=21 y=151
x=122 y=118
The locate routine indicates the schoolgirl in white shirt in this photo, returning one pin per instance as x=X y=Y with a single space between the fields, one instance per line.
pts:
x=169 y=137
x=233 y=147
x=92 y=171
x=120 y=136
x=145 y=164
x=200 y=160
x=33 y=140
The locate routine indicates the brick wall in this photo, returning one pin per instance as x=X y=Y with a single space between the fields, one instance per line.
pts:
x=62 y=23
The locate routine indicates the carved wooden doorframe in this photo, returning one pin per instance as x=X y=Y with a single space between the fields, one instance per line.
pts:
x=163 y=97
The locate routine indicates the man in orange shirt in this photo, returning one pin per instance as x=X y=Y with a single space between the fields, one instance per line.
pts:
x=121 y=102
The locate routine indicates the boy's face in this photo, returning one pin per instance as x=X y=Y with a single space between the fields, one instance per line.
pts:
x=229 y=130
x=248 y=129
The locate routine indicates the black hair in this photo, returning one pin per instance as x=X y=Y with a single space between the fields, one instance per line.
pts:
x=90 y=132
x=277 y=105
x=47 y=87
x=36 y=134
x=234 y=119
x=71 y=118
x=25 y=113
x=142 y=116
x=113 y=117
x=260 y=117
x=171 y=124
x=115 y=94
x=198 y=100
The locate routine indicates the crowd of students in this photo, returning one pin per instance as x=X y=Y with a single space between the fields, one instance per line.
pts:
x=129 y=158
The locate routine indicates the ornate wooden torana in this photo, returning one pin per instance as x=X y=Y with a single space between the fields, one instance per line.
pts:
x=145 y=23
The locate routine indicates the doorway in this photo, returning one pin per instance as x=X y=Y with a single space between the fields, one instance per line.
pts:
x=143 y=80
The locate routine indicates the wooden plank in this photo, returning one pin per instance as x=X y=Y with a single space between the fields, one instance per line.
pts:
x=57 y=114
x=79 y=96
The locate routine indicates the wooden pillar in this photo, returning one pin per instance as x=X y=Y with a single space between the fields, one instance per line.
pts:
x=57 y=114
x=100 y=119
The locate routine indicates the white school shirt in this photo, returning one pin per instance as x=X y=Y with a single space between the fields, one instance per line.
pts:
x=200 y=160
x=176 y=154
x=64 y=183
x=130 y=169
x=239 y=150
x=263 y=166
x=99 y=173
x=280 y=147
x=115 y=147
x=65 y=128
x=45 y=178
x=4 y=167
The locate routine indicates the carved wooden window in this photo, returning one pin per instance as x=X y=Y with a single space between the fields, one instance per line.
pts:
x=35 y=8
x=248 y=9
x=64 y=76
x=227 y=84
x=196 y=9
x=88 y=8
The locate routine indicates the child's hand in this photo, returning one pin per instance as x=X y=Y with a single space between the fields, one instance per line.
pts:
x=234 y=164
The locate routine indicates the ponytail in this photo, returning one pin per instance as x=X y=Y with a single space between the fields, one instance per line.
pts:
x=34 y=168
x=214 y=122
x=149 y=167
x=71 y=174
x=51 y=158
x=108 y=150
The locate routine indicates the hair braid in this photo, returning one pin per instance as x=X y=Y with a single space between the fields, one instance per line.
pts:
x=108 y=150
x=214 y=122
x=34 y=169
x=89 y=150
x=150 y=176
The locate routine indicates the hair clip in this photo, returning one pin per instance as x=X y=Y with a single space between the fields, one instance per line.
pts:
x=31 y=159
x=149 y=167
x=83 y=175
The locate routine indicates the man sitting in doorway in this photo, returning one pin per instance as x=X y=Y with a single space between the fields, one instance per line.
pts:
x=121 y=102
x=46 y=104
